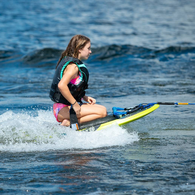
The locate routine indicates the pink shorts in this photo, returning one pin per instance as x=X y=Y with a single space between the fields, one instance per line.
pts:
x=56 y=109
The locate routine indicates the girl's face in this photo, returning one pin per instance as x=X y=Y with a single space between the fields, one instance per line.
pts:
x=85 y=52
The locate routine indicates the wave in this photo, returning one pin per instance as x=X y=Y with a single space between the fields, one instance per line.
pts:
x=27 y=132
x=48 y=56
x=112 y=51
x=7 y=56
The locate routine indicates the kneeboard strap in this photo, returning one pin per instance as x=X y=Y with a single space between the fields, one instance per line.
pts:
x=74 y=124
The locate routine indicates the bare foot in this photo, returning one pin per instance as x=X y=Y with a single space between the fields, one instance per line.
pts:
x=65 y=122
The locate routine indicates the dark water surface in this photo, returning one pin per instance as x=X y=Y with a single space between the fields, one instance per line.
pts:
x=143 y=51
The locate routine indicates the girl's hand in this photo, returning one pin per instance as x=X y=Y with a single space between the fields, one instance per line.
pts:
x=77 y=108
x=90 y=100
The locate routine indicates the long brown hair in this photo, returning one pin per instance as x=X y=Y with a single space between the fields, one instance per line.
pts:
x=76 y=43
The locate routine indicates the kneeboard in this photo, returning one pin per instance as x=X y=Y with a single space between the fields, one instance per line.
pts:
x=110 y=120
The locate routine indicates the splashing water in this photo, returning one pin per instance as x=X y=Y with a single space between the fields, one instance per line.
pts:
x=27 y=131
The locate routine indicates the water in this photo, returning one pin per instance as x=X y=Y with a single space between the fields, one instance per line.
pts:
x=143 y=51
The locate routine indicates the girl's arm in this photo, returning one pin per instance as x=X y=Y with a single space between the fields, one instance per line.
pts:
x=70 y=73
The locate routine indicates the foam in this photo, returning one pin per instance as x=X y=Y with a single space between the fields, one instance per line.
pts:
x=38 y=131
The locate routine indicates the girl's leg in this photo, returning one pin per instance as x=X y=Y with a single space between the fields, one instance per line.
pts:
x=64 y=116
x=88 y=113
x=91 y=112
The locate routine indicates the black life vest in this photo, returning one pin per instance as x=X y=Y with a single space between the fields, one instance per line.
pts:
x=77 y=91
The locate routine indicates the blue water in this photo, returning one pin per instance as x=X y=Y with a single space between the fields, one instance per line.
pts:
x=143 y=51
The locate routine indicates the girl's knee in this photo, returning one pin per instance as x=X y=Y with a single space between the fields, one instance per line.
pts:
x=104 y=112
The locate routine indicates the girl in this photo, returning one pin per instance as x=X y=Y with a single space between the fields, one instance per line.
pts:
x=69 y=84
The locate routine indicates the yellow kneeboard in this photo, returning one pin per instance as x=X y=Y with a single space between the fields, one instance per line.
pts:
x=121 y=121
